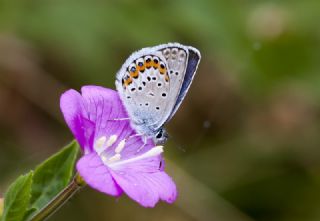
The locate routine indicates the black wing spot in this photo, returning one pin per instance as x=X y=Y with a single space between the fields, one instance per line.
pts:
x=158 y=108
x=163 y=94
x=139 y=88
x=133 y=89
x=144 y=83
x=154 y=78
x=177 y=73
x=133 y=69
x=159 y=84
x=149 y=78
x=147 y=104
x=128 y=97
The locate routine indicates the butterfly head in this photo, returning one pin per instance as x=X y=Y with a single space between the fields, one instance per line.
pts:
x=161 y=136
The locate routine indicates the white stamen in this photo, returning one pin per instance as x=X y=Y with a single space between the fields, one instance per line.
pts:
x=120 y=146
x=155 y=151
x=111 y=140
x=100 y=142
x=104 y=158
x=114 y=158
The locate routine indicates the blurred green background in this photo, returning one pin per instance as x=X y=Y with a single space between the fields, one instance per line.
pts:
x=245 y=143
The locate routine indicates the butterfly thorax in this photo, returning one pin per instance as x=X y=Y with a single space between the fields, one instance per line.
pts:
x=159 y=135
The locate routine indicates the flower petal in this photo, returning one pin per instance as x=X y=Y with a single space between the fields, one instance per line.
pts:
x=145 y=182
x=72 y=107
x=97 y=175
x=105 y=109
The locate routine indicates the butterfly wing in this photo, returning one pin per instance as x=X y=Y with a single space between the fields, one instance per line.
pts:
x=150 y=83
x=192 y=66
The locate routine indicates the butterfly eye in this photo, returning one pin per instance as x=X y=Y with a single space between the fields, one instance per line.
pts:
x=159 y=135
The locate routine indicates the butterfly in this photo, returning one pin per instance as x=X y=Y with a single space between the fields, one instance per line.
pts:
x=152 y=84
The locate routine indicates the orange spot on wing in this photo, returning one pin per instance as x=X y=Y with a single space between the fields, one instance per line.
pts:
x=127 y=82
x=143 y=67
x=155 y=66
x=163 y=70
x=166 y=77
x=135 y=73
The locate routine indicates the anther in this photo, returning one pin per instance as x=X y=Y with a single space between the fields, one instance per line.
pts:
x=111 y=140
x=120 y=146
x=114 y=158
x=104 y=158
x=100 y=142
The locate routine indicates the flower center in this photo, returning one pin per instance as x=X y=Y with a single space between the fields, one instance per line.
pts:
x=102 y=144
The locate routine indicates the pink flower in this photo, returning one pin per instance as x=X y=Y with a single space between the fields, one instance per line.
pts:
x=115 y=160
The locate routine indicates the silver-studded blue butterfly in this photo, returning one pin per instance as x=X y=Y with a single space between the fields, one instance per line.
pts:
x=153 y=82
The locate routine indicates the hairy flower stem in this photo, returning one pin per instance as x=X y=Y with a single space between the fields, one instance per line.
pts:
x=76 y=184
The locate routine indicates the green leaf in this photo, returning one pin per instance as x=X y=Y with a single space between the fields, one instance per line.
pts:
x=17 y=198
x=52 y=176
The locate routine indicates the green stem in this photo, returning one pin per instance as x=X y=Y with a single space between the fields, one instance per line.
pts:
x=75 y=185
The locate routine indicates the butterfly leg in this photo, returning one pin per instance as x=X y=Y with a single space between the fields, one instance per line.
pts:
x=143 y=137
x=144 y=140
